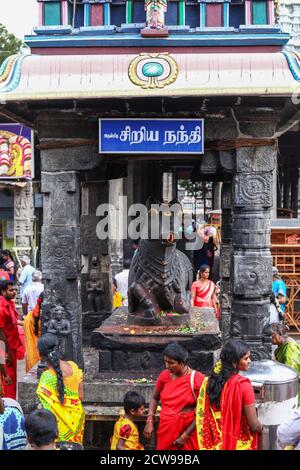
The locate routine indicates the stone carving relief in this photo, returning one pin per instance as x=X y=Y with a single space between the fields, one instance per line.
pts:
x=145 y=359
x=236 y=328
x=60 y=254
x=61 y=198
x=252 y=276
x=61 y=327
x=226 y=256
x=225 y=326
x=94 y=286
x=252 y=190
x=256 y=159
x=225 y=301
x=260 y=351
x=23 y=217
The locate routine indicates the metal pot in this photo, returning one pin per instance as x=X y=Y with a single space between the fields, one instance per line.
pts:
x=276 y=394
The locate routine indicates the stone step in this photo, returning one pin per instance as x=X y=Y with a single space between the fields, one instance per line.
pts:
x=107 y=392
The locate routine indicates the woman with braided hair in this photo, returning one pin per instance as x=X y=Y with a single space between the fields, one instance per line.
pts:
x=60 y=390
x=226 y=417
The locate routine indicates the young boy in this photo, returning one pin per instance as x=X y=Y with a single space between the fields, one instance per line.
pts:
x=41 y=429
x=126 y=434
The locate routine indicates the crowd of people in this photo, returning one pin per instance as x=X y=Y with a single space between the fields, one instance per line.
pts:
x=214 y=412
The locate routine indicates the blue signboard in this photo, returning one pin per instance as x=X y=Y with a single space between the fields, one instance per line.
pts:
x=162 y=136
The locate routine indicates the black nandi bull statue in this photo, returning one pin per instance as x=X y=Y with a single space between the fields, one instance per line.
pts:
x=160 y=276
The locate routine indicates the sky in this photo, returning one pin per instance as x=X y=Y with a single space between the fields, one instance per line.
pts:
x=19 y=16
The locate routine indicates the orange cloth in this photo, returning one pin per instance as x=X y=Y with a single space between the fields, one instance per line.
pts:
x=32 y=355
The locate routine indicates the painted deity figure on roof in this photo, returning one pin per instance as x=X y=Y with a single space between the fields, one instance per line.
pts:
x=15 y=155
x=156 y=13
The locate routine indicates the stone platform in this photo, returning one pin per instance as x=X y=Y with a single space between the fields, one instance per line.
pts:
x=126 y=347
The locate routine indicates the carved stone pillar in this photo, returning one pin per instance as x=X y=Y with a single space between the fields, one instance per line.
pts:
x=96 y=276
x=225 y=260
x=61 y=257
x=116 y=244
x=252 y=261
x=23 y=220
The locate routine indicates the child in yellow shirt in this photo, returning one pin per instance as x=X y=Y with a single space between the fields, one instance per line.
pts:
x=117 y=297
x=126 y=434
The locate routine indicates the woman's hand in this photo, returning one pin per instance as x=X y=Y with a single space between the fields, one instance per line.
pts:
x=148 y=430
x=9 y=360
x=8 y=380
x=179 y=442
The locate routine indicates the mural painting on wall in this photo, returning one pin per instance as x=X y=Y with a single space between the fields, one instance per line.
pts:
x=16 y=151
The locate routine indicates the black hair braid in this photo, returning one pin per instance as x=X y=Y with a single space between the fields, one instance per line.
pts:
x=216 y=383
x=36 y=323
x=232 y=352
x=53 y=359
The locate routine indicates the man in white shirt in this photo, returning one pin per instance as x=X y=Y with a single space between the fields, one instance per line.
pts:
x=288 y=432
x=122 y=281
x=31 y=293
x=25 y=278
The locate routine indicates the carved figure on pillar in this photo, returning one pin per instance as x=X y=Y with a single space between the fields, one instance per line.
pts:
x=155 y=17
x=252 y=261
x=156 y=13
x=94 y=286
x=23 y=219
x=160 y=276
x=61 y=327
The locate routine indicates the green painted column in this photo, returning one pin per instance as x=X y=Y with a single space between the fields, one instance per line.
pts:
x=181 y=12
x=129 y=11
x=259 y=12
x=52 y=14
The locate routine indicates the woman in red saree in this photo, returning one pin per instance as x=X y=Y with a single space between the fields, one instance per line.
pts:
x=226 y=416
x=204 y=291
x=177 y=389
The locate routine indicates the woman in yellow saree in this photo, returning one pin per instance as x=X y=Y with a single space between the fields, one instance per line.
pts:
x=60 y=390
x=226 y=416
